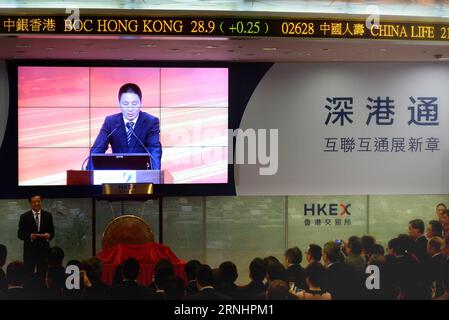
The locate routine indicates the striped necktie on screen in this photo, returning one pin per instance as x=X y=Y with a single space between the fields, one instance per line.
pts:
x=129 y=126
x=37 y=222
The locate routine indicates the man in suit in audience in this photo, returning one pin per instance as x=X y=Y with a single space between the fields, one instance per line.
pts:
x=190 y=269
x=204 y=281
x=339 y=280
x=255 y=290
x=295 y=272
x=434 y=229
x=36 y=229
x=228 y=275
x=314 y=254
x=419 y=249
x=444 y=220
x=130 y=289
x=15 y=275
x=436 y=265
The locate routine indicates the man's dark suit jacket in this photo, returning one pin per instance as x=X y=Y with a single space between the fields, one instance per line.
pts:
x=296 y=274
x=208 y=294
x=129 y=290
x=27 y=225
x=436 y=272
x=341 y=281
x=146 y=128
x=253 y=291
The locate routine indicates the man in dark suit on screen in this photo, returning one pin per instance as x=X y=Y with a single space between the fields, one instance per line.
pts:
x=131 y=130
x=36 y=229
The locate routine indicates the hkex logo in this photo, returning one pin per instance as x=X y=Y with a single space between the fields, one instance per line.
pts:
x=331 y=209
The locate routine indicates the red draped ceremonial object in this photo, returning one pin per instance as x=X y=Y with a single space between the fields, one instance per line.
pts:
x=147 y=254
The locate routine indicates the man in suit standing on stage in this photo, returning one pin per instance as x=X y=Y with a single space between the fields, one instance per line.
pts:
x=131 y=130
x=36 y=229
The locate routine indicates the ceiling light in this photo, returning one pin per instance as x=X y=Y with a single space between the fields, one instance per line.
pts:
x=211 y=47
x=149 y=45
x=23 y=45
x=269 y=49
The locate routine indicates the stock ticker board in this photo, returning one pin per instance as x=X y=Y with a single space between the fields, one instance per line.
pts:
x=324 y=28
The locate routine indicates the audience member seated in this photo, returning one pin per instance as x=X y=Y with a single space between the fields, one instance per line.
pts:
x=434 y=229
x=314 y=254
x=255 y=290
x=3 y=282
x=276 y=271
x=15 y=276
x=445 y=295
x=444 y=220
x=129 y=289
x=378 y=249
x=295 y=273
x=440 y=209
x=436 y=266
x=419 y=246
x=368 y=243
x=54 y=282
x=339 y=280
x=404 y=268
x=354 y=258
x=95 y=289
x=163 y=270
x=174 y=288
x=190 y=270
x=229 y=275
x=278 y=290
x=204 y=282
x=386 y=290
x=314 y=278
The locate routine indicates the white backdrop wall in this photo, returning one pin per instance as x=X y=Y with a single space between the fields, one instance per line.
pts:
x=293 y=97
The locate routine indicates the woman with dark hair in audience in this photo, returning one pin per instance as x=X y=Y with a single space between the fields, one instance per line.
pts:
x=314 y=279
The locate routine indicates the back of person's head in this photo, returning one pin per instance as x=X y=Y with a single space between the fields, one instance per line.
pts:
x=15 y=273
x=355 y=244
x=377 y=260
x=293 y=255
x=406 y=242
x=130 y=88
x=3 y=254
x=276 y=271
x=174 y=288
x=332 y=252
x=190 y=269
x=73 y=262
x=258 y=269
x=270 y=259
x=131 y=269
x=96 y=267
x=55 y=278
x=435 y=244
x=315 y=274
x=446 y=280
x=204 y=276
x=378 y=249
x=277 y=290
x=367 y=244
x=315 y=252
x=162 y=271
x=118 y=275
x=398 y=245
x=228 y=272
x=55 y=256
x=418 y=225
x=437 y=228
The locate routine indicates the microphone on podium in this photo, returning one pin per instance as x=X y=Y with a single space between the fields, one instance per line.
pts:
x=104 y=140
x=141 y=143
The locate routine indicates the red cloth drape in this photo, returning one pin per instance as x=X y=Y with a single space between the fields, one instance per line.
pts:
x=147 y=254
